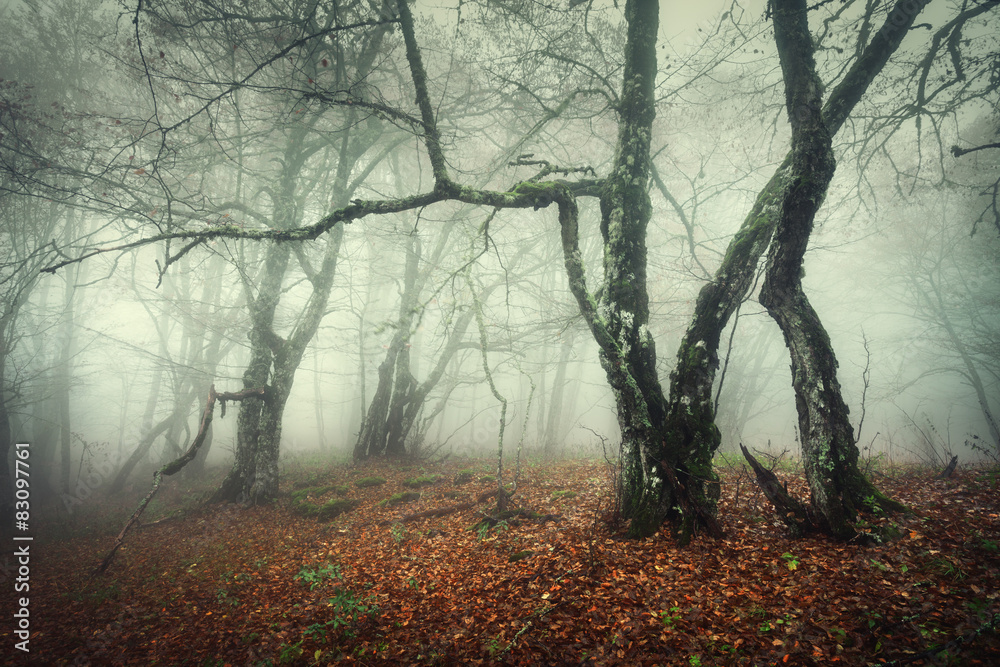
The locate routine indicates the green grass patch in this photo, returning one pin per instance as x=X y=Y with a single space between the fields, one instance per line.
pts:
x=306 y=502
x=560 y=495
x=326 y=511
x=317 y=492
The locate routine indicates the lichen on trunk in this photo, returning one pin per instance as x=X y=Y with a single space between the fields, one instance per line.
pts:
x=838 y=487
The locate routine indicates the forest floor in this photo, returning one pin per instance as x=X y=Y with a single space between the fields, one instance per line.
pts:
x=234 y=585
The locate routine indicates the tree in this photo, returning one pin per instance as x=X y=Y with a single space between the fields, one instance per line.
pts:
x=24 y=234
x=668 y=438
x=691 y=420
x=937 y=278
x=274 y=358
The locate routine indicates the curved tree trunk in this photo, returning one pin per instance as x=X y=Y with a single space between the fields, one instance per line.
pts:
x=690 y=416
x=830 y=454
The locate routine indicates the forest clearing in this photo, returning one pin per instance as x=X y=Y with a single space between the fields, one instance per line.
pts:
x=267 y=585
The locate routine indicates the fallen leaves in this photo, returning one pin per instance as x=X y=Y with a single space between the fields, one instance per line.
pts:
x=221 y=582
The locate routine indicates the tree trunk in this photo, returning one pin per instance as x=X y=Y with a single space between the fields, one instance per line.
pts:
x=371 y=439
x=394 y=378
x=553 y=431
x=690 y=419
x=237 y=485
x=318 y=404
x=660 y=478
x=830 y=454
x=936 y=302
x=401 y=423
x=254 y=476
x=63 y=379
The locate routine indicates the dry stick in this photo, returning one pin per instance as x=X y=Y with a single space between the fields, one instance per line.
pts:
x=175 y=466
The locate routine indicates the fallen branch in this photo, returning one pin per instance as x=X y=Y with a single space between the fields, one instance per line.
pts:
x=793 y=513
x=535 y=616
x=175 y=466
x=443 y=511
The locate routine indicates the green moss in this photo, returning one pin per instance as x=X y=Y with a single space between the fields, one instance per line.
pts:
x=557 y=495
x=520 y=555
x=423 y=480
x=335 y=507
x=645 y=521
x=535 y=188
x=541 y=194
x=325 y=511
x=367 y=482
x=464 y=477
x=317 y=491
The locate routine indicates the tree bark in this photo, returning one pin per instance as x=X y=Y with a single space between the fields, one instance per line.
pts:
x=839 y=489
x=237 y=485
x=690 y=416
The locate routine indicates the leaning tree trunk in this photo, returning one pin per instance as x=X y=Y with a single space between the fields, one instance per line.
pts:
x=690 y=415
x=830 y=454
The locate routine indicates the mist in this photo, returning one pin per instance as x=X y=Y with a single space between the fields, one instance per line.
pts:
x=158 y=164
x=500 y=332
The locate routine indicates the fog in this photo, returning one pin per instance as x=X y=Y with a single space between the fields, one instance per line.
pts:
x=240 y=126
